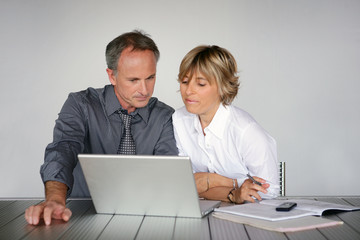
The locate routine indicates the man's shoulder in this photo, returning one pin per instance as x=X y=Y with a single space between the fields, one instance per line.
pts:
x=88 y=92
x=159 y=106
x=88 y=95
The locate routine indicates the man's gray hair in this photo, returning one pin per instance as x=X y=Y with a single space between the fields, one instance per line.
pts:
x=136 y=39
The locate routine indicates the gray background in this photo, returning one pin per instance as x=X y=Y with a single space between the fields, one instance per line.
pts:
x=298 y=61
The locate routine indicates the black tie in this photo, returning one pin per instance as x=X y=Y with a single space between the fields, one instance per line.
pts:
x=127 y=144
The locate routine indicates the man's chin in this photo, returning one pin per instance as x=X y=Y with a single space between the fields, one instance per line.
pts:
x=141 y=104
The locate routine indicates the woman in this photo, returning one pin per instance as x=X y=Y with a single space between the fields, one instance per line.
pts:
x=224 y=142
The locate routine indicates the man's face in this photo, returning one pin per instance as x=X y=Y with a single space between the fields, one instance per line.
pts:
x=134 y=79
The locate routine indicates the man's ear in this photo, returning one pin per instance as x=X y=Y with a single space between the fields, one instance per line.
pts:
x=111 y=76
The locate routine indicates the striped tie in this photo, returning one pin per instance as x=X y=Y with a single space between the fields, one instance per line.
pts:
x=127 y=144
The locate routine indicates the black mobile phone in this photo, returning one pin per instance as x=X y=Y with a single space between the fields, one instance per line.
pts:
x=286 y=206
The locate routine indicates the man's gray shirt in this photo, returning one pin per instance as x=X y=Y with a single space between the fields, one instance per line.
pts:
x=89 y=123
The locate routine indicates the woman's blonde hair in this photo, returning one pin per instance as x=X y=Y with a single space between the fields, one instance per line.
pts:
x=216 y=64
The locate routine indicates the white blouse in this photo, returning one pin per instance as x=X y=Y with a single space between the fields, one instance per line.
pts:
x=233 y=146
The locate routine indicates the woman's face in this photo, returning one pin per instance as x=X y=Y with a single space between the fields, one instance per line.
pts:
x=199 y=96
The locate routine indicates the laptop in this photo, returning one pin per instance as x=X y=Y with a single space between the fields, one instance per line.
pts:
x=143 y=185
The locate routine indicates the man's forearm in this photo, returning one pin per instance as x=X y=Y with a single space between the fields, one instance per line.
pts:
x=56 y=191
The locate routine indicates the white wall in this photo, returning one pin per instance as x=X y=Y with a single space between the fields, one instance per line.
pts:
x=299 y=63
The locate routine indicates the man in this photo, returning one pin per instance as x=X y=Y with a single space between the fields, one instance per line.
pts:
x=97 y=120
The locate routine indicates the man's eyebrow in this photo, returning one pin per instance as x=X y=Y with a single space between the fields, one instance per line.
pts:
x=151 y=76
x=133 y=78
x=137 y=78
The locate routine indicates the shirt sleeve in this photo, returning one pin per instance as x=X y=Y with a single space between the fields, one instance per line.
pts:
x=166 y=144
x=260 y=156
x=182 y=138
x=68 y=141
x=178 y=142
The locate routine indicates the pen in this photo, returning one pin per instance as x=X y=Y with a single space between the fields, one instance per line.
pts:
x=254 y=181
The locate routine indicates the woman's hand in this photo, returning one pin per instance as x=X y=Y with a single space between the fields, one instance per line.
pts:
x=216 y=187
x=249 y=190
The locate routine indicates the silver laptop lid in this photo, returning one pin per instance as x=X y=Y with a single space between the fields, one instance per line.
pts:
x=141 y=185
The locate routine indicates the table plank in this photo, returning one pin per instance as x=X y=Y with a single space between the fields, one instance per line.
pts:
x=332 y=200
x=157 y=228
x=122 y=227
x=308 y=235
x=86 y=224
x=335 y=231
x=223 y=229
x=16 y=229
x=192 y=228
x=59 y=227
x=14 y=209
x=351 y=219
x=4 y=203
x=89 y=226
x=258 y=233
x=355 y=201
x=342 y=232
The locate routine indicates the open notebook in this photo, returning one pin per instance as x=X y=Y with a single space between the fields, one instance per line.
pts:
x=143 y=185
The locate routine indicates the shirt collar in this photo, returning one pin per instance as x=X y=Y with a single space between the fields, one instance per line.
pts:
x=197 y=124
x=112 y=104
x=144 y=112
x=219 y=122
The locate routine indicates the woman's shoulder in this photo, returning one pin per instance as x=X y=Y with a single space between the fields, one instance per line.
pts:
x=241 y=119
x=240 y=116
x=181 y=113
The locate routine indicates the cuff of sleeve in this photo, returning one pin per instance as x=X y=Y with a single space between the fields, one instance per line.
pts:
x=273 y=190
x=55 y=172
x=240 y=181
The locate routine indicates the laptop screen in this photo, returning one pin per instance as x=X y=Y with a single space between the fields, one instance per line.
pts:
x=141 y=185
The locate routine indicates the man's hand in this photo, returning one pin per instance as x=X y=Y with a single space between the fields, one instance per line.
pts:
x=53 y=207
x=47 y=210
x=248 y=190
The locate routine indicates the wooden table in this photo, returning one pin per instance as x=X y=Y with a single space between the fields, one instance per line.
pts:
x=86 y=224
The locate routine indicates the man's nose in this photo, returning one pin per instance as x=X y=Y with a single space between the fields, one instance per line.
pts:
x=143 y=88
